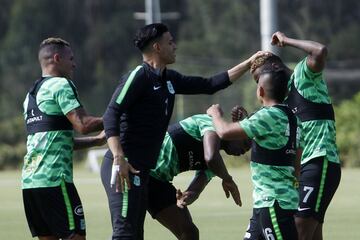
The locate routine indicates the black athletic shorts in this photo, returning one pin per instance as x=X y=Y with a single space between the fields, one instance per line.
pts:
x=272 y=223
x=127 y=209
x=54 y=211
x=161 y=195
x=319 y=180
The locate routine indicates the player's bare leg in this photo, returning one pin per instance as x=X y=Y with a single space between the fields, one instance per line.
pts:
x=306 y=228
x=179 y=222
x=318 y=232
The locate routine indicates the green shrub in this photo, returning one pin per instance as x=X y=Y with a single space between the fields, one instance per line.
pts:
x=348 y=131
x=12 y=142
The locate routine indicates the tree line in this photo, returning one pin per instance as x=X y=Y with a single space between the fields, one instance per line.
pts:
x=211 y=36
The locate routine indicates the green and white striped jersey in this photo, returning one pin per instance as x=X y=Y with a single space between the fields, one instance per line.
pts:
x=48 y=160
x=319 y=135
x=269 y=127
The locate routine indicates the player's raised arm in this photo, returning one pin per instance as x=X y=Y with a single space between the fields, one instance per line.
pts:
x=317 y=52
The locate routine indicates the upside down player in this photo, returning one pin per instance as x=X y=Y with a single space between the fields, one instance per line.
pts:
x=191 y=144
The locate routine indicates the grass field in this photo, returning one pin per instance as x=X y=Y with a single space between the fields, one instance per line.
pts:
x=215 y=216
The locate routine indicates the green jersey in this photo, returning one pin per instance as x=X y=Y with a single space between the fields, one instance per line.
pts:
x=167 y=165
x=269 y=127
x=319 y=135
x=48 y=160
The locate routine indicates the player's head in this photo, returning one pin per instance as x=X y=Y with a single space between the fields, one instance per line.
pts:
x=273 y=85
x=267 y=63
x=56 y=53
x=156 y=39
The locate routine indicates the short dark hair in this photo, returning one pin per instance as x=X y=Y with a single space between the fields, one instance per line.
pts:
x=276 y=86
x=149 y=34
x=50 y=46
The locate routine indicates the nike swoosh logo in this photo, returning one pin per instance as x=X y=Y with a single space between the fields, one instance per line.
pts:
x=156 y=88
x=303 y=209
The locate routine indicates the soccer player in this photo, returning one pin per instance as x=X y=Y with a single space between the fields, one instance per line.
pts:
x=52 y=112
x=310 y=101
x=191 y=144
x=274 y=131
x=136 y=120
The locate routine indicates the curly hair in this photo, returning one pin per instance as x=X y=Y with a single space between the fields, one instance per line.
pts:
x=266 y=63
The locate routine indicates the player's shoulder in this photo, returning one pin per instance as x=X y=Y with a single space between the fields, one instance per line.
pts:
x=173 y=74
x=54 y=84
x=267 y=114
x=137 y=73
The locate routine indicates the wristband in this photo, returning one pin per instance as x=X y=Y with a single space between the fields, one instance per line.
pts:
x=114 y=172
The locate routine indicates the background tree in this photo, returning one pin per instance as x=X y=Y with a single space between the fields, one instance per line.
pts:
x=211 y=36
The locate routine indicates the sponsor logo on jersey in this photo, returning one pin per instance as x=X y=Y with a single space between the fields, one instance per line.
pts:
x=79 y=211
x=34 y=119
x=290 y=151
x=170 y=87
x=303 y=209
x=137 y=181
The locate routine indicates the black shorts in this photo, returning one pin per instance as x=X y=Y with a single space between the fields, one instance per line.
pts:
x=272 y=223
x=54 y=211
x=127 y=209
x=319 y=180
x=161 y=195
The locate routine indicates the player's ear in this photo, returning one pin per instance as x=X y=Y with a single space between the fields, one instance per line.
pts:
x=56 y=57
x=261 y=91
x=156 y=46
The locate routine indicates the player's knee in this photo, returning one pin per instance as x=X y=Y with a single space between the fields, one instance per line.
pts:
x=305 y=228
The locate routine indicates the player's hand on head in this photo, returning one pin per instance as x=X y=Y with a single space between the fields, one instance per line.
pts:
x=214 y=110
x=259 y=54
x=278 y=39
x=230 y=188
x=238 y=113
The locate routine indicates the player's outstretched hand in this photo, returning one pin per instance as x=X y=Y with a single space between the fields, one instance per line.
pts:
x=230 y=187
x=257 y=55
x=278 y=39
x=101 y=138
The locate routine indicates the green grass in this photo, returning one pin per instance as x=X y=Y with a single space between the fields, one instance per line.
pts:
x=215 y=216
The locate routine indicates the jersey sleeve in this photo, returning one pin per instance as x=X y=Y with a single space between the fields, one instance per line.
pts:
x=302 y=71
x=66 y=95
x=256 y=125
x=268 y=122
x=198 y=85
x=126 y=94
x=205 y=124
